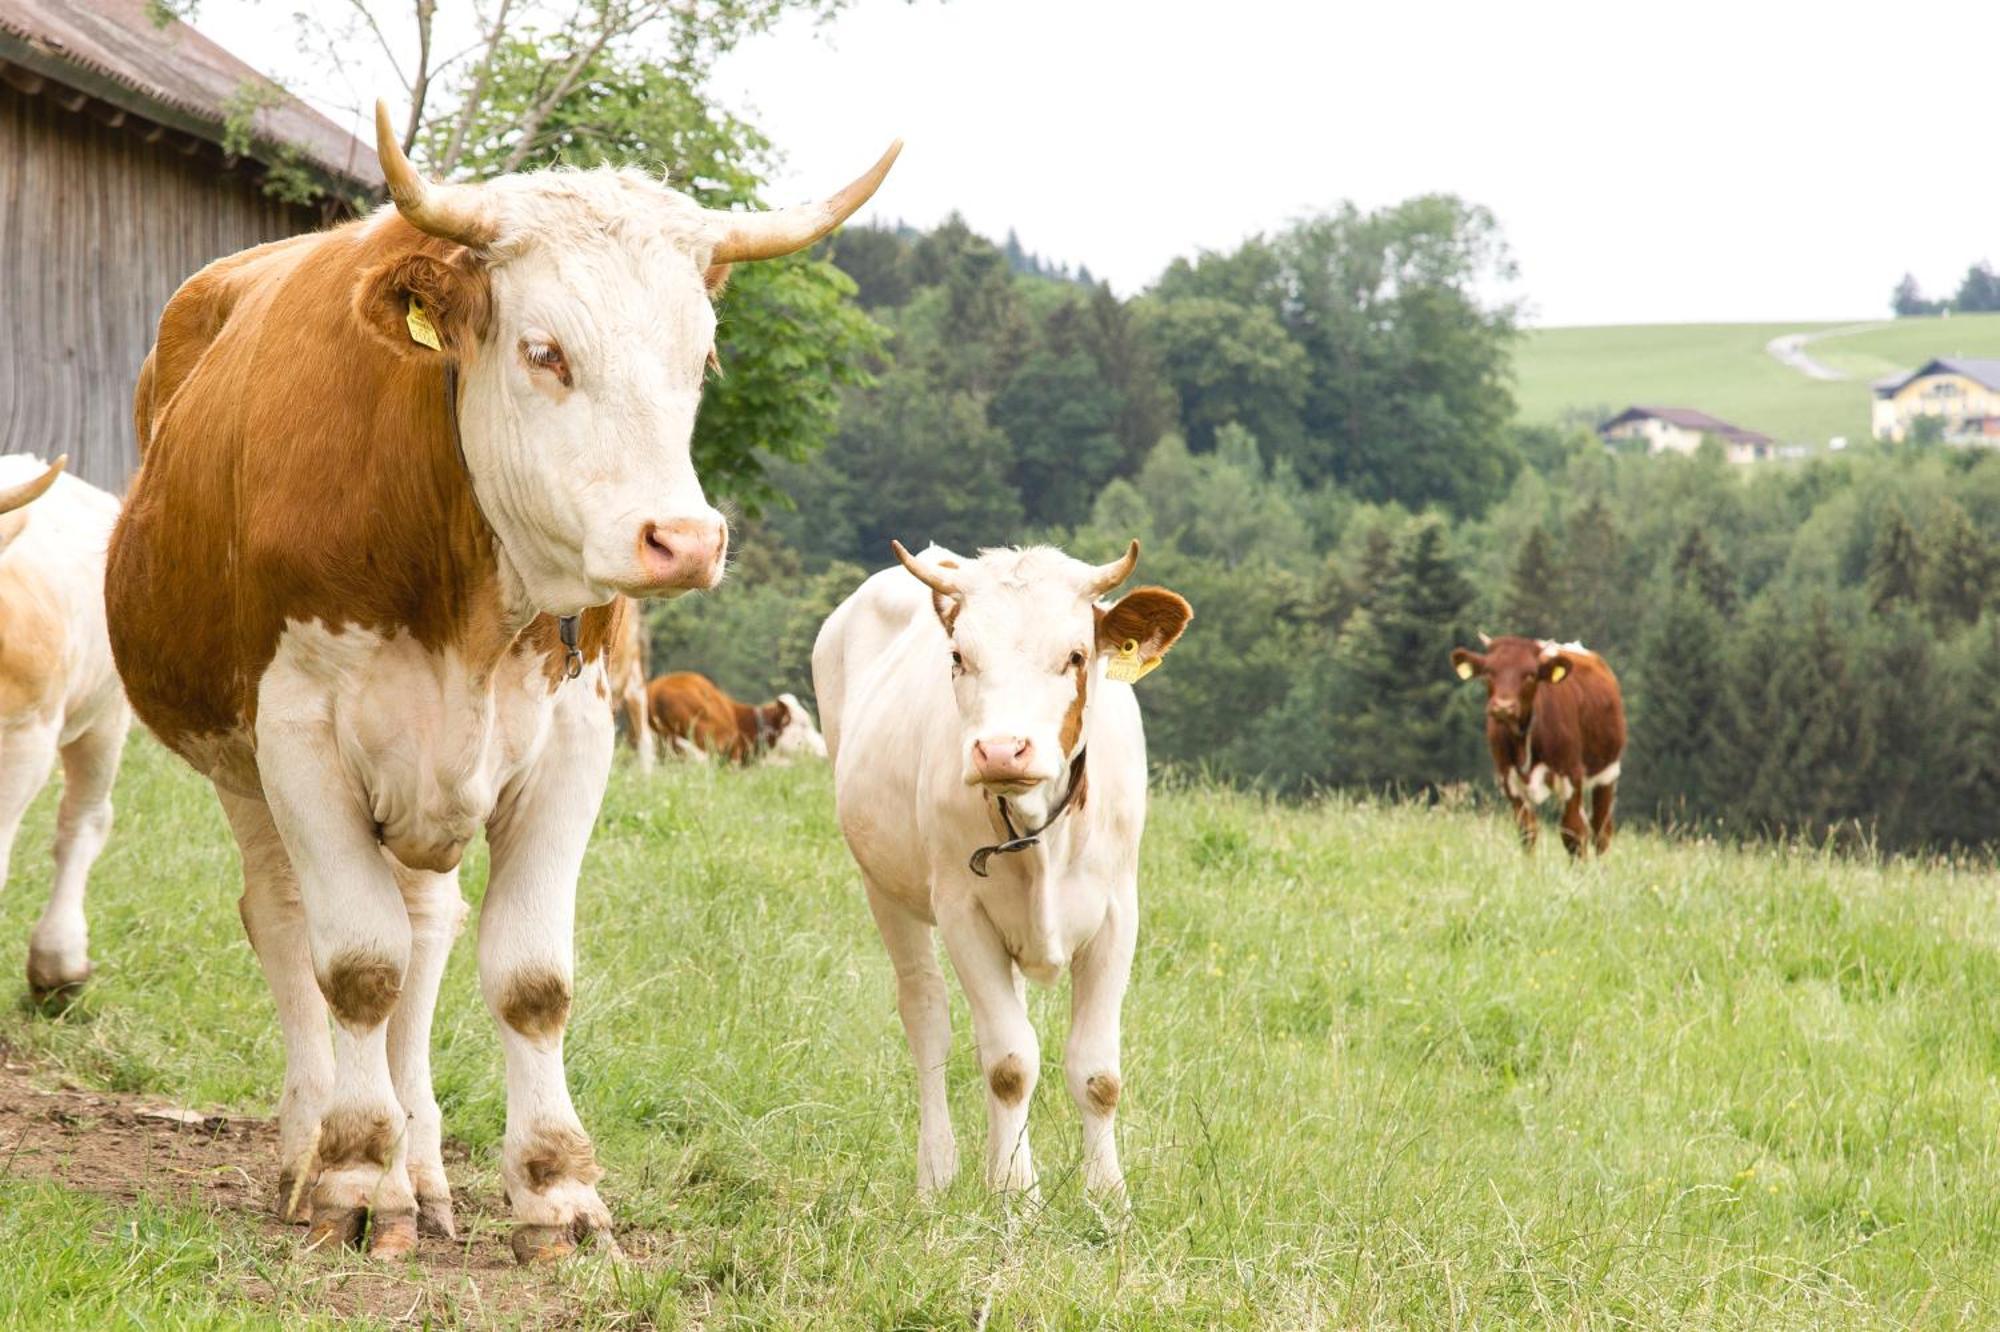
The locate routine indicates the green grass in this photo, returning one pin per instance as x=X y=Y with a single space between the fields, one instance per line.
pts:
x=1723 y=369
x=1381 y=1071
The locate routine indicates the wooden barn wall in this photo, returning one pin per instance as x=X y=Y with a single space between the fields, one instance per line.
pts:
x=97 y=229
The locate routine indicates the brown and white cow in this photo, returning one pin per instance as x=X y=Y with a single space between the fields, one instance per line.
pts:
x=627 y=669
x=1555 y=722
x=59 y=694
x=383 y=464
x=989 y=772
x=693 y=713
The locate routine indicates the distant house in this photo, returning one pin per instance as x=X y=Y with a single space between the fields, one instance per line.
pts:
x=1961 y=393
x=1682 y=429
x=114 y=187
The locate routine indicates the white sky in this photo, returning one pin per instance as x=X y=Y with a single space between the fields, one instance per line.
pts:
x=1689 y=162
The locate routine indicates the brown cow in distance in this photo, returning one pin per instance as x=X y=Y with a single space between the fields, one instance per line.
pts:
x=693 y=713
x=1555 y=722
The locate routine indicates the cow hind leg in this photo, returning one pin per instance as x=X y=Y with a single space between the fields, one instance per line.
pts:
x=1602 y=801
x=925 y=1008
x=59 y=948
x=275 y=920
x=437 y=913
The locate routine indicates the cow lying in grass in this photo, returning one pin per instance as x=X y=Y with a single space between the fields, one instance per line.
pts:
x=991 y=783
x=696 y=717
x=1555 y=722
x=58 y=694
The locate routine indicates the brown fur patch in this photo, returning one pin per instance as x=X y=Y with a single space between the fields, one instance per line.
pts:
x=1103 y=1091
x=1072 y=722
x=686 y=705
x=362 y=990
x=1009 y=1079
x=556 y=1154
x=536 y=1003
x=355 y=1137
x=1152 y=617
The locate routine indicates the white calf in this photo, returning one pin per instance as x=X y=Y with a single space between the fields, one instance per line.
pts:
x=58 y=694
x=990 y=773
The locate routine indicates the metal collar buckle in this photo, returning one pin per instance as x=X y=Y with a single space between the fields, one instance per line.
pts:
x=572 y=654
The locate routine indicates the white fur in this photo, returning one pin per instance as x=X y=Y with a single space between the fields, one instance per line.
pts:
x=610 y=264
x=361 y=734
x=57 y=560
x=1605 y=778
x=899 y=728
x=800 y=738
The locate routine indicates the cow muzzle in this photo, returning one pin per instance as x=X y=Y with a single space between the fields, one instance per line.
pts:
x=680 y=554
x=1007 y=762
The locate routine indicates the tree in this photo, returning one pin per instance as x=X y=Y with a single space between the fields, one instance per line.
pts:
x=1979 y=291
x=1696 y=564
x=1895 y=565
x=1060 y=416
x=1229 y=363
x=1533 y=605
x=1908 y=300
x=1595 y=598
x=1673 y=704
x=1957 y=577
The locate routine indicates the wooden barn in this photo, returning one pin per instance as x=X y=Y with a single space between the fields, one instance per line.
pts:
x=115 y=185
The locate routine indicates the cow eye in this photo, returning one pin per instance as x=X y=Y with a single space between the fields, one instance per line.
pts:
x=546 y=355
x=957 y=661
x=1075 y=660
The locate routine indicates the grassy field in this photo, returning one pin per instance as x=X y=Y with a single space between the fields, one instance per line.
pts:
x=1381 y=1071
x=1723 y=369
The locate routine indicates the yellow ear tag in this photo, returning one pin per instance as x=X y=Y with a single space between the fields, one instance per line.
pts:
x=1464 y=669
x=1126 y=668
x=1557 y=672
x=422 y=331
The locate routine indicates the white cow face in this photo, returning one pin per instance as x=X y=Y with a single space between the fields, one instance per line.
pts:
x=578 y=409
x=797 y=737
x=575 y=305
x=1028 y=643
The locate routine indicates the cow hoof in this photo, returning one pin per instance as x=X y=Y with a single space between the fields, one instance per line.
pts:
x=333 y=1227
x=434 y=1218
x=546 y=1244
x=51 y=990
x=392 y=1234
x=292 y=1189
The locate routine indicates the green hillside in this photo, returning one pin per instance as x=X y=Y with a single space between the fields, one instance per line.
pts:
x=1724 y=369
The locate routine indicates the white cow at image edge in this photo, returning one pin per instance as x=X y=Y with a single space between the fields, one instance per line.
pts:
x=59 y=694
x=958 y=695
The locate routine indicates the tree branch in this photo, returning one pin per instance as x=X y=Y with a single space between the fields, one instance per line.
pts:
x=475 y=97
x=420 y=87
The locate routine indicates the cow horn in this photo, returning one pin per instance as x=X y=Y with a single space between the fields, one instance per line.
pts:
x=742 y=237
x=1485 y=639
x=449 y=212
x=1107 y=576
x=929 y=577
x=15 y=496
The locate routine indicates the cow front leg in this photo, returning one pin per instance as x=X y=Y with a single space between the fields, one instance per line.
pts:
x=358 y=933
x=1526 y=820
x=27 y=752
x=1575 y=829
x=640 y=727
x=925 y=1008
x=59 y=948
x=1010 y=1055
x=526 y=932
x=1601 y=802
x=1099 y=974
x=437 y=913
x=275 y=921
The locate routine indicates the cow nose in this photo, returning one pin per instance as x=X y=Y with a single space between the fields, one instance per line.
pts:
x=1003 y=758
x=681 y=553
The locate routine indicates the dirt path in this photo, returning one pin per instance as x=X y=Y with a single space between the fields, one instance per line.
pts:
x=127 y=1147
x=1790 y=350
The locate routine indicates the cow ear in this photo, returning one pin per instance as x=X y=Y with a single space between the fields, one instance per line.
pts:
x=424 y=305
x=1150 y=617
x=1555 y=667
x=1467 y=664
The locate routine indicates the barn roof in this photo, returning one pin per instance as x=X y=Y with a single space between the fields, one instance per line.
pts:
x=1689 y=419
x=1979 y=369
x=111 y=50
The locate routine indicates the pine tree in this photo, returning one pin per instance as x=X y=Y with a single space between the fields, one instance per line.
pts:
x=1696 y=564
x=1533 y=602
x=1594 y=555
x=1909 y=736
x=1895 y=566
x=1958 y=576
x=1670 y=769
